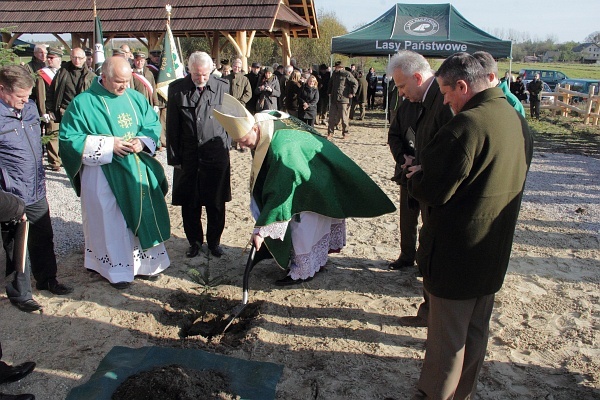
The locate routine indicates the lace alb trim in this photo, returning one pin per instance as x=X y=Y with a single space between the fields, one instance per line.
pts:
x=276 y=230
x=305 y=266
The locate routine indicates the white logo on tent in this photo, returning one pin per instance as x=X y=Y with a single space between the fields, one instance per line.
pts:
x=421 y=26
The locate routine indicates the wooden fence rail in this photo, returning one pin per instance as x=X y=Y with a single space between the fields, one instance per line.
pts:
x=566 y=100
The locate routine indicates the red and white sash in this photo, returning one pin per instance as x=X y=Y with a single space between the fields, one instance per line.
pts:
x=145 y=81
x=47 y=75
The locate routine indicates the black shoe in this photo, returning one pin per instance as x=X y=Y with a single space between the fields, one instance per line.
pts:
x=27 y=305
x=16 y=372
x=288 y=281
x=192 y=251
x=121 y=285
x=216 y=251
x=151 y=278
x=4 y=396
x=398 y=264
x=55 y=288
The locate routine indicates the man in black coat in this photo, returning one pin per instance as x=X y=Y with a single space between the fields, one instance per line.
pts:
x=415 y=80
x=198 y=149
x=535 y=88
x=253 y=78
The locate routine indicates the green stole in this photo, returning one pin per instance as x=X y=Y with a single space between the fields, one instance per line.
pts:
x=137 y=181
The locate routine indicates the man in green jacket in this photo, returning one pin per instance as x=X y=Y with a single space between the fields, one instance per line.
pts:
x=471 y=179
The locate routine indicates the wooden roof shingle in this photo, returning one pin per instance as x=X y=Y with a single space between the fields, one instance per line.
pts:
x=124 y=18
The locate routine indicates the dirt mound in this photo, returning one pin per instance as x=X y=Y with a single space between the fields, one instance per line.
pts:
x=176 y=383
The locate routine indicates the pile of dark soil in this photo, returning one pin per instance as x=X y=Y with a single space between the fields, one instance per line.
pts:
x=173 y=382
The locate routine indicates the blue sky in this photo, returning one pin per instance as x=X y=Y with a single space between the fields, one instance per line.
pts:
x=565 y=21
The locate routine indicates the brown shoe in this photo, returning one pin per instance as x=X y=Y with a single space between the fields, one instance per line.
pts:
x=413 y=321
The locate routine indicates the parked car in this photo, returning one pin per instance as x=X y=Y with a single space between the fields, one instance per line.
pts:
x=545 y=99
x=581 y=85
x=549 y=76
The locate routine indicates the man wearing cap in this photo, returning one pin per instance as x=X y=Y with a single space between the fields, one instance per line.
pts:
x=153 y=62
x=143 y=79
x=341 y=90
x=49 y=126
x=253 y=79
x=198 y=149
x=73 y=78
x=89 y=59
x=302 y=189
x=107 y=138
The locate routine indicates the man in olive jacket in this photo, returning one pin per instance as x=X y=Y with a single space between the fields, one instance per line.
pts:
x=471 y=178
x=342 y=88
x=198 y=149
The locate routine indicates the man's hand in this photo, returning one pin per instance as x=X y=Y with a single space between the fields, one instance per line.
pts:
x=136 y=145
x=413 y=170
x=408 y=160
x=257 y=240
x=122 y=148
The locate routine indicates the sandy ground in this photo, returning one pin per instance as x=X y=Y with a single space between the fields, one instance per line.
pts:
x=338 y=335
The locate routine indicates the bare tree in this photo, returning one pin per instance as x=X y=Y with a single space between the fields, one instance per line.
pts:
x=593 y=38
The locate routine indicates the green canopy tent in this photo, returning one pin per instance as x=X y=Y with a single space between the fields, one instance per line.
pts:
x=433 y=30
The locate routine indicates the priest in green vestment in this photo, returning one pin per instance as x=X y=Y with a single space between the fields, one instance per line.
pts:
x=302 y=187
x=108 y=135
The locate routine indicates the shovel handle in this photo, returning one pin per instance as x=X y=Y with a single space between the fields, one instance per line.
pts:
x=249 y=266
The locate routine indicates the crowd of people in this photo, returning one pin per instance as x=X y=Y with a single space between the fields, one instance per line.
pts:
x=458 y=136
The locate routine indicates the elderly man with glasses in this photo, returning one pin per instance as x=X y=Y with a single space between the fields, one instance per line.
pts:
x=70 y=80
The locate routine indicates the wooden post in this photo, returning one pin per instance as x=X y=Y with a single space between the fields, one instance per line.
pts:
x=588 y=109
x=286 y=50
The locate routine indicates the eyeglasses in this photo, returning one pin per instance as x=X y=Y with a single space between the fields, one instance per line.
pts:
x=78 y=58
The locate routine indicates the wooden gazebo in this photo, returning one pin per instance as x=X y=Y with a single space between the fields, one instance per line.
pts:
x=239 y=21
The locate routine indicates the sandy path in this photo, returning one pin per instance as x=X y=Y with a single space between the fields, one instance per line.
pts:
x=337 y=335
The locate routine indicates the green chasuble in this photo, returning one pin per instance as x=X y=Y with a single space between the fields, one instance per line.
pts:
x=303 y=171
x=138 y=181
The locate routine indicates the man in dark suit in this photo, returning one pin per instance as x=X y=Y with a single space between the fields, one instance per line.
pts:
x=198 y=149
x=415 y=80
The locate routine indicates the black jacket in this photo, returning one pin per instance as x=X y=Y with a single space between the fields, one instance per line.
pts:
x=197 y=142
x=310 y=96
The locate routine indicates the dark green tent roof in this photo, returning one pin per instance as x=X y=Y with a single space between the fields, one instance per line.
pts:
x=433 y=30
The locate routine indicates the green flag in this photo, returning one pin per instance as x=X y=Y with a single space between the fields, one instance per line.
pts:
x=98 y=45
x=171 y=67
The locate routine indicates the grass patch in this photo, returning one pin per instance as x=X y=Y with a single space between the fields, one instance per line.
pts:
x=570 y=135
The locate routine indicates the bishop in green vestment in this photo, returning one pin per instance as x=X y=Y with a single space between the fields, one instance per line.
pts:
x=107 y=137
x=302 y=187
